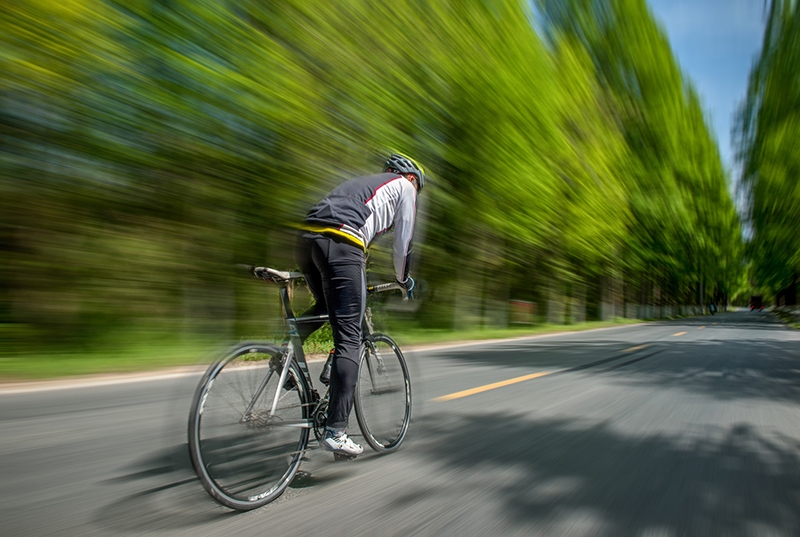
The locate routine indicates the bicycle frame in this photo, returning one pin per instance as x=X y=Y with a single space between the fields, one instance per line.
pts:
x=295 y=345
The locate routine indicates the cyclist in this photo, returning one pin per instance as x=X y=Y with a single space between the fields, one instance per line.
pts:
x=331 y=252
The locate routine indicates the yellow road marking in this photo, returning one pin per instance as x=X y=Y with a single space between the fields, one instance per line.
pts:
x=492 y=386
x=640 y=347
x=679 y=334
x=701 y=327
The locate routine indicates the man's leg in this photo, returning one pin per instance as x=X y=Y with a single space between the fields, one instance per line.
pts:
x=345 y=290
x=306 y=249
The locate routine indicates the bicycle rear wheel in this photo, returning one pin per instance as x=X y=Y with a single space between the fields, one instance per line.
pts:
x=383 y=394
x=245 y=456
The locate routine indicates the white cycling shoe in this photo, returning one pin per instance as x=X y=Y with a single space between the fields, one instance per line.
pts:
x=340 y=443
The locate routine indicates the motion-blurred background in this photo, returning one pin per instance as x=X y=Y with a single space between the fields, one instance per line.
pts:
x=147 y=146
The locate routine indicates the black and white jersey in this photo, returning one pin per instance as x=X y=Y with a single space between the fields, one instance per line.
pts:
x=366 y=207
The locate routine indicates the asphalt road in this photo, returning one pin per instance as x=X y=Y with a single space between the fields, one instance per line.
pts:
x=687 y=427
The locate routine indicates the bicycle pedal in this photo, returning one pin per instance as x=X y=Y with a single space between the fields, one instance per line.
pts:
x=341 y=457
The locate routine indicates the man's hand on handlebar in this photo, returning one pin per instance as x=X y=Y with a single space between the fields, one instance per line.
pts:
x=408 y=287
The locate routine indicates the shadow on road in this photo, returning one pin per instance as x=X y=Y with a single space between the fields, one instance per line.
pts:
x=172 y=500
x=566 y=478
x=757 y=370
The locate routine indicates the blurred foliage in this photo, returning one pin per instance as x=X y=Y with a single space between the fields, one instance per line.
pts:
x=148 y=145
x=769 y=145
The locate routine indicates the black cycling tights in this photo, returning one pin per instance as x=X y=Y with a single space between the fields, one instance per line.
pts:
x=334 y=271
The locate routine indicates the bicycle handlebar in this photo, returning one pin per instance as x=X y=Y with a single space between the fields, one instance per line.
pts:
x=381 y=287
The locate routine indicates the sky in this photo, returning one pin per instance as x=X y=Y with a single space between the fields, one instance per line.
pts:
x=715 y=43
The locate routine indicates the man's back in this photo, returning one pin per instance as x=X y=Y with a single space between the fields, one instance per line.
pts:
x=366 y=207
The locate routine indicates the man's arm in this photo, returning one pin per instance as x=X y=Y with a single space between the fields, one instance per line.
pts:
x=404 y=217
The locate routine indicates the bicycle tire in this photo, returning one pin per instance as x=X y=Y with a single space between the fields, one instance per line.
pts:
x=246 y=458
x=383 y=394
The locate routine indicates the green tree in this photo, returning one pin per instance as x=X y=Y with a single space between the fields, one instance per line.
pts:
x=769 y=127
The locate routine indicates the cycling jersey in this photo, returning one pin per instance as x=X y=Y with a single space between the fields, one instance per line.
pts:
x=364 y=208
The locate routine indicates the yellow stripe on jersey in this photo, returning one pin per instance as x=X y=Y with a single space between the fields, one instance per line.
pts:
x=334 y=231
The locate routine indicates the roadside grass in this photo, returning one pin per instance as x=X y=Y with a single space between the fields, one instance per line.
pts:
x=127 y=359
x=143 y=356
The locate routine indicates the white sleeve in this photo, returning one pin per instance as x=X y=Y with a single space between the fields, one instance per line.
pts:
x=404 y=216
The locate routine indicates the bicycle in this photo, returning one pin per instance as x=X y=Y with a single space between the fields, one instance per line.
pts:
x=254 y=408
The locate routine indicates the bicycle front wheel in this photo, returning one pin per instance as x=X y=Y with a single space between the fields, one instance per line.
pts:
x=383 y=394
x=244 y=453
